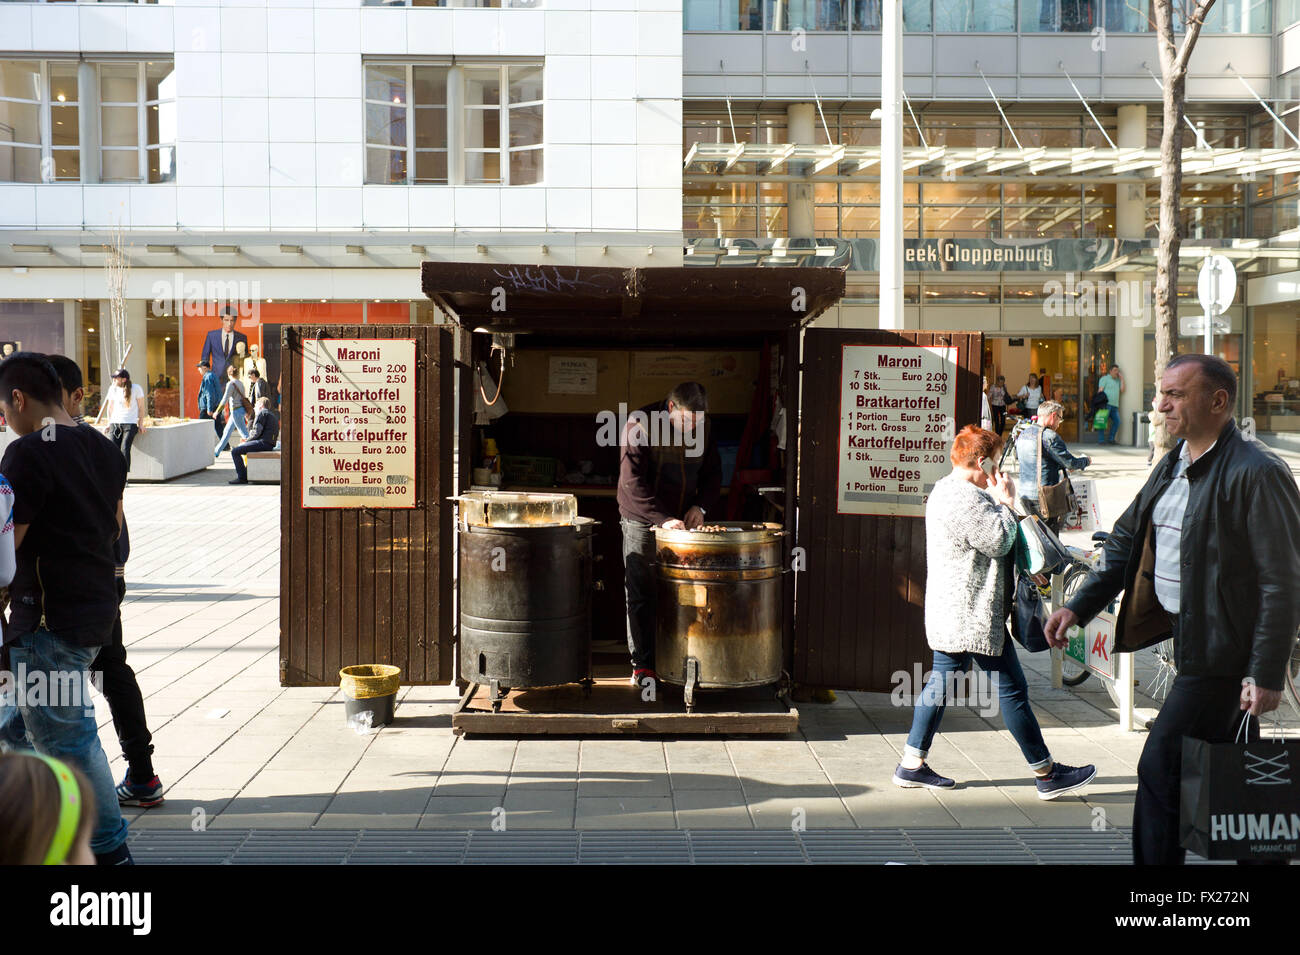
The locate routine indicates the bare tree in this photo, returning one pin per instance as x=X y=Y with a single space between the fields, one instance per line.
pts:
x=117 y=267
x=1174 y=58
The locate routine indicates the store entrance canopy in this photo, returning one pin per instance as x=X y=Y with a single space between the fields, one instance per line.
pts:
x=707 y=162
x=598 y=300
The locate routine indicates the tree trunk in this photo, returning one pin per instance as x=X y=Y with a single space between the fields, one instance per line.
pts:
x=1171 y=184
x=1173 y=67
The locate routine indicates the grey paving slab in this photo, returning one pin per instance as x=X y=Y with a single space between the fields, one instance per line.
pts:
x=712 y=809
x=625 y=812
x=540 y=809
x=460 y=812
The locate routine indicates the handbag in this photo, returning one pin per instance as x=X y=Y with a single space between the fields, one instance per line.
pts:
x=1028 y=615
x=1038 y=550
x=1238 y=800
x=1058 y=499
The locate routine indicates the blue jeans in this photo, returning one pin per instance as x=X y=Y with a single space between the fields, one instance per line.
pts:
x=234 y=419
x=1112 y=426
x=62 y=725
x=241 y=469
x=1013 y=698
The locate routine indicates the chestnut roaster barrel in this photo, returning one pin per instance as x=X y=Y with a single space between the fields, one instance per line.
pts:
x=719 y=605
x=525 y=597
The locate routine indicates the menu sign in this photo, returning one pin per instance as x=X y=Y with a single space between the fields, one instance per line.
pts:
x=897 y=413
x=358 y=423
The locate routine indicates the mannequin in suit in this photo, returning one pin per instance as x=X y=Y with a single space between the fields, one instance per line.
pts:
x=223 y=344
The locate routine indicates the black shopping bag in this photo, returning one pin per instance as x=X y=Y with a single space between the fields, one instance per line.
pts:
x=1240 y=800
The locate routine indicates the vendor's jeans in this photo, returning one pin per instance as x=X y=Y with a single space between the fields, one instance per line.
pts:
x=62 y=726
x=233 y=420
x=1013 y=700
x=639 y=576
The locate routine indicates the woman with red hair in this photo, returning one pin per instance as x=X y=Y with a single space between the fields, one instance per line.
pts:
x=970 y=533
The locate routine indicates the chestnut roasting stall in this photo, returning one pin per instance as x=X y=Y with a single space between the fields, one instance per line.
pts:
x=363 y=585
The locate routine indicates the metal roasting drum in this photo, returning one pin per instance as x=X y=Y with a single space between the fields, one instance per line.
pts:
x=525 y=578
x=719 y=606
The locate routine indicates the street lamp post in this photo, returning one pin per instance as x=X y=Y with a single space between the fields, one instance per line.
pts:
x=891 y=164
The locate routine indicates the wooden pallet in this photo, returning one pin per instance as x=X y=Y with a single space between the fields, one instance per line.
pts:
x=615 y=707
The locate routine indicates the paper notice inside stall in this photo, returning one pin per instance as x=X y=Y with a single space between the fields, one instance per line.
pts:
x=357 y=432
x=897 y=422
x=571 y=376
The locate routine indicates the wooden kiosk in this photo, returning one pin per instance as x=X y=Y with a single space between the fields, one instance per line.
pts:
x=371 y=584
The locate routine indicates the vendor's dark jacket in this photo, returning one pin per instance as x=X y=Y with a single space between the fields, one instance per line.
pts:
x=1240 y=578
x=660 y=483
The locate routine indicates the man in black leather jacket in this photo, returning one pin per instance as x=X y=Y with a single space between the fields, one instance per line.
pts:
x=1210 y=552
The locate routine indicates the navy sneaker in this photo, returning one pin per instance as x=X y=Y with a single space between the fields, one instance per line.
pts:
x=146 y=796
x=1064 y=779
x=922 y=778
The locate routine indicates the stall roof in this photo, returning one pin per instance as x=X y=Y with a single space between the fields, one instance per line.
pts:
x=558 y=299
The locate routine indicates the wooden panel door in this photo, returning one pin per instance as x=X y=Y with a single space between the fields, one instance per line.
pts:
x=859 y=602
x=370 y=585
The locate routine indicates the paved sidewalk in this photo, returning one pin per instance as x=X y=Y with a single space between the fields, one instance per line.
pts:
x=201 y=620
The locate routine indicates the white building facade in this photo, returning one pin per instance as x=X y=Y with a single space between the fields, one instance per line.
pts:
x=299 y=159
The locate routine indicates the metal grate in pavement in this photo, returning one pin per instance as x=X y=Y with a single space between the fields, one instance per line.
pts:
x=522 y=848
x=614 y=847
x=404 y=847
x=1027 y=845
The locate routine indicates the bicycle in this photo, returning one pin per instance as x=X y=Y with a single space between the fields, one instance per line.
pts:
x=1161 y=655
x=1009 y=463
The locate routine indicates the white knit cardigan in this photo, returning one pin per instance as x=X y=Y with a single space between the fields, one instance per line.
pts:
x=967 y=538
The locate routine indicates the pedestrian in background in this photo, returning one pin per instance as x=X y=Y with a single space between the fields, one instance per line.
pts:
x=1056 y=460
x=998 y=402
x=1112 y=383
x=126 y=412
x=970 y=534
x=139 y=786
x=235 y=402
x=1031 y=396
x=1208 y=552
x=262 y=437
x=209 y=396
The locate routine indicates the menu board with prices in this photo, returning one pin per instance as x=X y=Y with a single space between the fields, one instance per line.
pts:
x=897 y=414
x=358 y=423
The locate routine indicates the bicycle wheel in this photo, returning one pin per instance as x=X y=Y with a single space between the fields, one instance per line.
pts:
x=1072 y=672
x=1165 y=670
x=1291 y=682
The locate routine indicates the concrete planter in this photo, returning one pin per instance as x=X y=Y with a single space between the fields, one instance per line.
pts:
x=166 y=451
x=163 y=452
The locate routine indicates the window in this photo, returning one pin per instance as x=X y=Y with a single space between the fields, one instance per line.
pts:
x=449 y=3
x=410 y=131
x=39 y=132
x=974 y=16
x=1059 y=16
x=137 y=122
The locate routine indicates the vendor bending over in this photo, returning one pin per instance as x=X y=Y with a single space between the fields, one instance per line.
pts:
x=669 y=475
